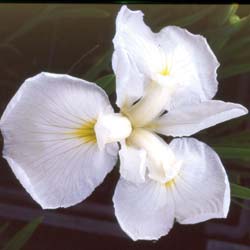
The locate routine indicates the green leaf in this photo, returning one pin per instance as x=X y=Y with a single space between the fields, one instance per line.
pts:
x=233 y=152
x=187 y=20
x=78 y=61
x=241 y=204
x=233 y=70
x=22 y=236
x=220 y=36
x=223 y=16
x=167 y=14
x=100 y=65
x=240 y=138
x=224 y=129
x=107 y=83
x=29 y=25
x=237 y=173
x=234 y=19
x=77 y=12
x=240 y=191
x=191 y=19
x=235 y=47
x=242 y=56
x=4 y=227
x=56 y=12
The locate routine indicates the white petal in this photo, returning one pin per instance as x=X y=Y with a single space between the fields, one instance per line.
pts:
x=132 y=163
x=127 y=75
x=190 y=119
x=142 y=209
x=136 y=38
x=136 y=56
x=111 y=128
x=201 y=190
x=43 y=141
x=193 y=65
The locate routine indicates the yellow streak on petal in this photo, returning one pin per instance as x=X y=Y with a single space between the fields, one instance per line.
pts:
x=170 y=183
x=165 y=71
x=86 y=132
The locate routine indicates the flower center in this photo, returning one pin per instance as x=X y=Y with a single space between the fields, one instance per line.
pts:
x=151 y=105
x=111 y=128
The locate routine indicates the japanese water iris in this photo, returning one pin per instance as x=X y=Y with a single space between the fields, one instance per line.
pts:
x=62 y=137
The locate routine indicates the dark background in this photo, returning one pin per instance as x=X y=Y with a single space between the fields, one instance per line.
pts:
x=71 y=39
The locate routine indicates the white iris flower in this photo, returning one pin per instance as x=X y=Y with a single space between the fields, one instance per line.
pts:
x=61 y=133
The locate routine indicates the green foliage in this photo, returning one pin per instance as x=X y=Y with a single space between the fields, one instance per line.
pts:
x=241 y=204
x=53 y=12
x=235 y=146
x=220 y=36
x=22 y=236
x=224 y=15
x=100 y=65
x=233 y=152
x=186 y=21
x=241 y=192
x=233 y=70
x=107 y=83
x=76 y=12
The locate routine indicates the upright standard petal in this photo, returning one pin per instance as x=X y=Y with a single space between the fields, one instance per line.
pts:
x=136 y=56
x=188 y=120
x=49 y=138
x=144 y=211
x=201 y=190
x=136 y=38
x=193 y=65
x=129 y=81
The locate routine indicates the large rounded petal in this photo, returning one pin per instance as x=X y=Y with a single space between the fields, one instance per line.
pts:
x=49 y=138
x=190 y=119
x=201 y=190
x=193 y=65
x=144 y=211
